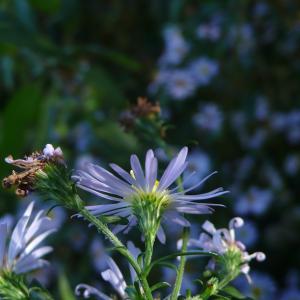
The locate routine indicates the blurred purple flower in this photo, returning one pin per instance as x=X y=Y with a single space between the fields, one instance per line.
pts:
x=247 y=234
x=176 y=47
x=199 y=165
x=262 y=110
x=209 y=31
x=204 y=69
x=290 y=294
x=180 y=84
x=262 y=287
x=21 y=252
x=255 y=201
x=241 y=36
x=209 y=118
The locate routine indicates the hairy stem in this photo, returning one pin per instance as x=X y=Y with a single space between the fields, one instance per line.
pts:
x=180 y=271
x=102 y=228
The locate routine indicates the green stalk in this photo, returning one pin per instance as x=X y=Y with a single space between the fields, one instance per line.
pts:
x=180 y=271
x=149 y=241
x=102 y=228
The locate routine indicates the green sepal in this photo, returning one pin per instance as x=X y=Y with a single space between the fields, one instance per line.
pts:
x=13 y=287
x=38 y=292
x=233 y=292
x=220 y=297
x=159 y=285
x=140 y=258
x=134 y=292
x=114 y=219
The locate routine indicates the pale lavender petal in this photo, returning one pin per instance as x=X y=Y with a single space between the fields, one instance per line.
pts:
x=34 y=226
x=137 y=170
x=161 y=235
x=100 y=209
x=36 y=241
x=17 y=242
x=25 y=262
x=3 y=237
x=150 y=170
x=135 y=253
x=199 y=183
x=174 y=169
x=195 y=210
x=111 y=180
x=176 y=218
x=209 y=227
x=125 y=175
x=102 y=195
x=37 y=264
x=88 y=291
x=114 y=276
x=173 y=176
x=209 y=195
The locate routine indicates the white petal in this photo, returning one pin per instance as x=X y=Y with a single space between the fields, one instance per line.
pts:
x=209 y=227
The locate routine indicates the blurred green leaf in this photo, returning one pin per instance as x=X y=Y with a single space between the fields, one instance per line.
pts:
x=25 y=14
x=47 y=6
x=7 y=65
x=233 y=292
x=19 y=116
x=65 y=291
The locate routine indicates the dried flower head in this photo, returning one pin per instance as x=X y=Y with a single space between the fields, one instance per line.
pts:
x=142 y=109
x=24 y=180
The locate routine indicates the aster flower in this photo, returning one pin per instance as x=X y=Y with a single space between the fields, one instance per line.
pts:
x=203 y=70
x=22 y=252
x=209 y=31
x=200 y=164
x=141 y=198
x=255 y=201
x=181 y=84
x=262 y=286
x=248 y=234
x=223 y=242
x=113 y=275
x=209 y=118
x=176 y=47
x=290 y=294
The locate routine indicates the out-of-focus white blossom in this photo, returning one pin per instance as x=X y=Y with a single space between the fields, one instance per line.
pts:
x=24 y=252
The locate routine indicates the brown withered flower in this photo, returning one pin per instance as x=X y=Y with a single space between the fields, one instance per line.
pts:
x=145 y=108
x=142 y=109
x=25 y=179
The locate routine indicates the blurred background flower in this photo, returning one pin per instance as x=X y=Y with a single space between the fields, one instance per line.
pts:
x=226 y=77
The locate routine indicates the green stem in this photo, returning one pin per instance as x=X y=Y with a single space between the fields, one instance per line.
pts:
x=149 y=250
x=180 y=271
x=102 y=228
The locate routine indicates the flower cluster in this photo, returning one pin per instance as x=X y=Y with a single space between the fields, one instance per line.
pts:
x=181 y=82
x=223 y=241
x=141 y=199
